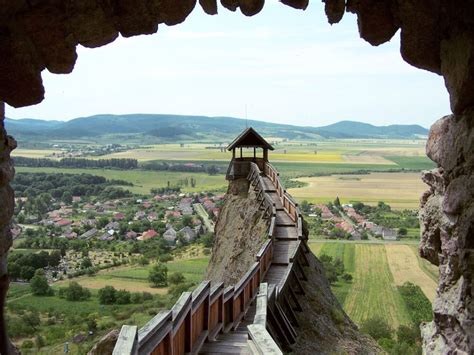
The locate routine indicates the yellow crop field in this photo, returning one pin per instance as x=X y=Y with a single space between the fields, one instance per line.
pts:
x=405 y=268
x=132 y=286
x=34 y=153
x=400 y=190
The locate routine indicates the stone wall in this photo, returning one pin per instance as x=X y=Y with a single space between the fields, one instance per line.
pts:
x=7 y=144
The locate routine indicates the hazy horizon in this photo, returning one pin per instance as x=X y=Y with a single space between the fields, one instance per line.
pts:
x=217 y=117
x=281 y=66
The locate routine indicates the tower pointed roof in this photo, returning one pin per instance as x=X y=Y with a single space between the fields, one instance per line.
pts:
x=249 y=138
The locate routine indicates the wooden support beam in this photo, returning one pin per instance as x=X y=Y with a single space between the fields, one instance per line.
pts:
x=295 y=300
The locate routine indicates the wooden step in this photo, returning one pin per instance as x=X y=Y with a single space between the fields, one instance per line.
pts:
x=283 y=250
x=283 y=219
x=268 y=184
x=275 y=274
x=285 y=233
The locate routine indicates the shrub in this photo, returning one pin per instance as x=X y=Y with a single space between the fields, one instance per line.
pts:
x=107 y=295
x=75 y=292
x=419 y=306
x=377 y=328
x=27 y=344
x=176 y=278
x=409 y=335
x=147 y=296
x=136 y=297
x=158 y=275
x=39 y=284
x=347 y=277
x=122 y=297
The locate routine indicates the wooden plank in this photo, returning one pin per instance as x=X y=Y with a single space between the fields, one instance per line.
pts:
x=127 y=341
x=181 y=308
x=153 y=333
x=200 y=294
x=263 y=340
x=261 y=306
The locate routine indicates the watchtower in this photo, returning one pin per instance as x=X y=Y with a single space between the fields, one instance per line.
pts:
x=239 y=166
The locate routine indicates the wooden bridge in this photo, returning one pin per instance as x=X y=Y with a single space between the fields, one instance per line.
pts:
x=255 y=316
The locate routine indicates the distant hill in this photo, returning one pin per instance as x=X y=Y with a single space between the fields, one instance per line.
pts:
x=177 y=127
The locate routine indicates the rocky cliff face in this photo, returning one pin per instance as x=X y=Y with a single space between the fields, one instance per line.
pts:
x=240 y=232
x=447 y=216
x=7 y=144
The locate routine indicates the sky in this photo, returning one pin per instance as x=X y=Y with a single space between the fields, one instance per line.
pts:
x=282 y=65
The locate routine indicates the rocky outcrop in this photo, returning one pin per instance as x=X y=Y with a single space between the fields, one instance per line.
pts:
x=7 y=144
x=240 y=232
x=106 y=344
x=324 y=326
x=447 y=219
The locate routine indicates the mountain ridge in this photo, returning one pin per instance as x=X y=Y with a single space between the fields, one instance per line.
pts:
x=186 y=127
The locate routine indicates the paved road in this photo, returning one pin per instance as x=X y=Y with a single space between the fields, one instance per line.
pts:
x=199 y=209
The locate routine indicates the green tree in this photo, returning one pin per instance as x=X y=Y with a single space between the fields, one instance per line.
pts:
x=337 y=202
x=67 y=197
x=158 y=275
x=39 y=284
x=32 y=319
x=107 y=295
x=409 y=335
x=122 y=297
x=377 y=328
x=402 y=231
x=39 y=340
x=75 y=292
x=176 y=278
x=54 y=258
x=86 y=263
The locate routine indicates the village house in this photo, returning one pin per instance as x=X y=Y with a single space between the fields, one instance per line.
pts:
x=89 y=234
x=170 y=235
x=139 y=215
x=131 y=235
x=188 y=234
x=63 y=222
x=147 y=205
x=148 y=235
x=119 y=216
x=389 y=234
x=113 y=226
x=152 y=216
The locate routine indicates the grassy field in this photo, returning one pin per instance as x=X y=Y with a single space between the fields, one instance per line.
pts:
x=135 y=278
x=346 y=253
x=142 y=180
x=399 y=190
x=377 y=269
x=431 y=270
x=373 y=292
x=405 y=268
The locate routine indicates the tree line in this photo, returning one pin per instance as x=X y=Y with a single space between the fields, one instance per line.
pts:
x=122 y=164
x=77 y=163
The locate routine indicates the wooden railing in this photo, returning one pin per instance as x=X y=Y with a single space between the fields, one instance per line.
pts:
x=289 y=204
x=211 y=309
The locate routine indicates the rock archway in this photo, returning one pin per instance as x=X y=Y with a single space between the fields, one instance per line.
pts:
x=436 y=35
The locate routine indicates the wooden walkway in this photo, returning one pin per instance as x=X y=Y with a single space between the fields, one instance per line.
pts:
x=285 y=243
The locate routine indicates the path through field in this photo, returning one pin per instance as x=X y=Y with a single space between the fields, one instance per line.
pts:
x=405 y=268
